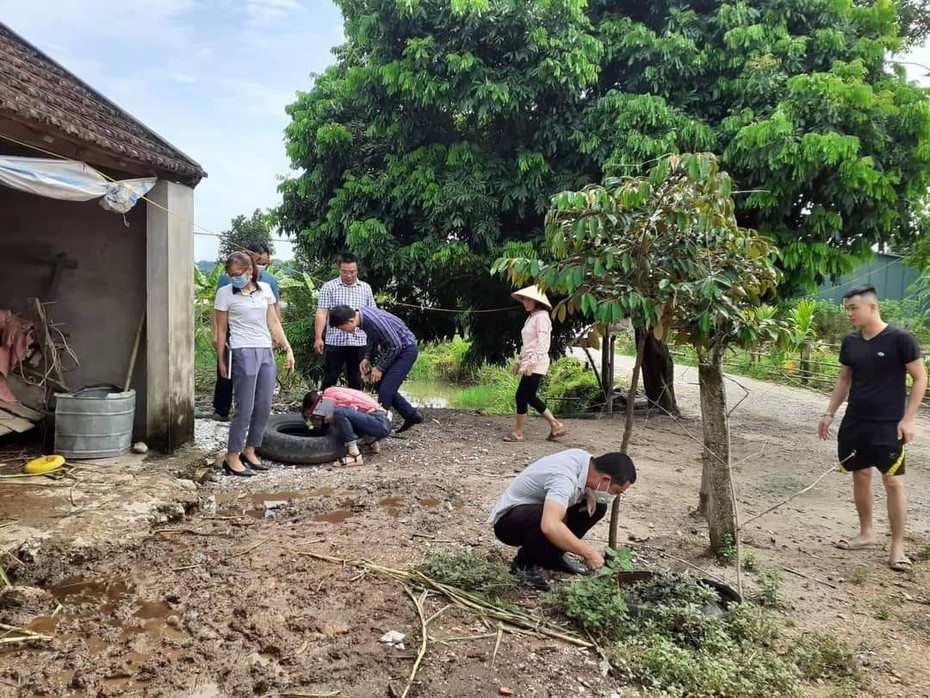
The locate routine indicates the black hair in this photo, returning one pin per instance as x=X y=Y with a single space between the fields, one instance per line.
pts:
x=618 y=465
x=309 y=400
x=347 y=258
x=864 y=290
x=242 y=259
x=340 y=315
x=258 y=248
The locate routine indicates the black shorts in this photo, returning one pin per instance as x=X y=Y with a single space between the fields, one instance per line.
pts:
x=866 y=443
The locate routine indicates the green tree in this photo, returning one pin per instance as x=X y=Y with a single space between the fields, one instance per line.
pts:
x=445 y=126
x=437 y=138
x=243 y=231
x=665 y=250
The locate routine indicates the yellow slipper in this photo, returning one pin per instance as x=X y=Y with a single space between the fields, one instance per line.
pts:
x=43 y=464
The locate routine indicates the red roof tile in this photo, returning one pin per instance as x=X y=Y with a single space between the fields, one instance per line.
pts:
x=37 y=90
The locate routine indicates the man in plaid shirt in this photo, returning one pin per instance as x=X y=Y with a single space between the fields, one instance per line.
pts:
x=342 y=349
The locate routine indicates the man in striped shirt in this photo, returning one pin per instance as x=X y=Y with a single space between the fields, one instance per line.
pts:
x=397 y=349
x=341 y=349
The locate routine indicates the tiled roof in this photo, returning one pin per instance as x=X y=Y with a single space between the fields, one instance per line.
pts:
x=37 y=91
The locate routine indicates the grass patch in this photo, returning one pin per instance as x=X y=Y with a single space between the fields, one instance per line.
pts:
x=674 y=649
x=660 y=640
x=487 y=574
x=769 y=593
x=569 y=386
x=860 y=575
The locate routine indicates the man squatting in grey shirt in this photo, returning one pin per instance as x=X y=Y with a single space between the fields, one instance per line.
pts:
x=552 y=504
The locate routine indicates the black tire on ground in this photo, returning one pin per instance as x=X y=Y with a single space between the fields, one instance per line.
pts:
x=288 y=440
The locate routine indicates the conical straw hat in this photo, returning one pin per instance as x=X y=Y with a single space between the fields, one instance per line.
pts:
x=534 y=294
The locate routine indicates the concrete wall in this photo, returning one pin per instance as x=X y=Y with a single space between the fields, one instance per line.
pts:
x=101 y=301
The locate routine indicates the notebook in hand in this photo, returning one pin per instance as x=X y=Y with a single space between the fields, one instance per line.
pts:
x=324 y=408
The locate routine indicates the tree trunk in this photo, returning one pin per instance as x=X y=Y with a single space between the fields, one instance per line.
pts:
x=716 y=499
x=607 y=370
x=627 y=432
x=658 y=373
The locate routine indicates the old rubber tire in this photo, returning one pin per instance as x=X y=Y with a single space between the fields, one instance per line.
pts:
x=288 y=440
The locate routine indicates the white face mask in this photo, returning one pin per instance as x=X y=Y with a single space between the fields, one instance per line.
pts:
x=602 y=496
x=261 y=267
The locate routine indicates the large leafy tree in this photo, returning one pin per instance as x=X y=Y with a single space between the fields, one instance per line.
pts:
x=438 y=137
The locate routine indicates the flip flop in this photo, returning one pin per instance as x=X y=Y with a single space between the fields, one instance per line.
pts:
x=902 y=565
x=349 y=461
x=510 y=438
x=844 y=544
x=557 y=434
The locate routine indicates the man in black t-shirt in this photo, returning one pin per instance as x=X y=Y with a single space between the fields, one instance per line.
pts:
x=875 y=361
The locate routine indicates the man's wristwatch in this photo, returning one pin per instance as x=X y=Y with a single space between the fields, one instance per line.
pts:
x=828 y=414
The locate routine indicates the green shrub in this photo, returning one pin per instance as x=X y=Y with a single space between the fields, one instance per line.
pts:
x=769 y=588
x=445 y=361
x=830 y=321
x=571 y=386
x=487 y=574
x=300 y=334
x=596 y=605
x=821 y=657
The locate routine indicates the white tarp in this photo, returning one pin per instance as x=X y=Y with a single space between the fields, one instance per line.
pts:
x=71 y=181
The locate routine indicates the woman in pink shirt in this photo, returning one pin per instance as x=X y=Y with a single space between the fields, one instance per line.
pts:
x=355 y=414
x=534 y=362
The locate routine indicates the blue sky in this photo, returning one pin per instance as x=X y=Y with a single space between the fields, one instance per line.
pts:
x=210 y=76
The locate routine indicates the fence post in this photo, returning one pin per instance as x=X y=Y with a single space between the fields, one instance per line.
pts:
x=804 y=367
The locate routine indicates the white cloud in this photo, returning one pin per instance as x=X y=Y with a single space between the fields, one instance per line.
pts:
x=178 y=77
x=270 y=11
x=164 y=22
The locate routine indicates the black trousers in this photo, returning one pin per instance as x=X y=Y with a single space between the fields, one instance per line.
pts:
x=223 y=390
x=526 y=394
x=337 y=358
x=521 y=527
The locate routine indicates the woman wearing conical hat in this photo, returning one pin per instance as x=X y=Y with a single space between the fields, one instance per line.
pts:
x=534 y=362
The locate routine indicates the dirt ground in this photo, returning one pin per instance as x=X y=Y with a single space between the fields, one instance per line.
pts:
x=225 y=603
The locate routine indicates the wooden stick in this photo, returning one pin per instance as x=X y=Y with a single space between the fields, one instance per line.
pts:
x=438 y=613
x=807 y=576
x=135 y=353
x=497 y=645
x=418 y=604
x=796 y=494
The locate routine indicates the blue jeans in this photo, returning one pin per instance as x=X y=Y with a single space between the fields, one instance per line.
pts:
x=353 y=424
x=391 y=379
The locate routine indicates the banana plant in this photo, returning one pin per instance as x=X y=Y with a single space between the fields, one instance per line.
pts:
x=803 y=333
x=802 y=319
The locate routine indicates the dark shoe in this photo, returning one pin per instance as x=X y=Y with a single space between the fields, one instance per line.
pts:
x=237 y=473
x=254 y=466
x=533 y=576
x=411 y=421
x=217 y=417
x=568 y=564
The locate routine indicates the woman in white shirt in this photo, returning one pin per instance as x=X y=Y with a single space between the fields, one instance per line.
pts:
x=533 y=363
x=246 y=307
